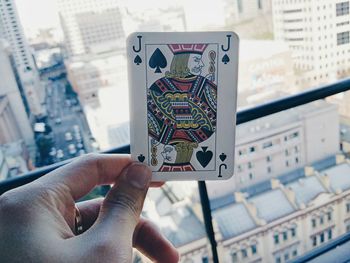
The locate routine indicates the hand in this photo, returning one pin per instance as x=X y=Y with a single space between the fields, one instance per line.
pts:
x=37 y=220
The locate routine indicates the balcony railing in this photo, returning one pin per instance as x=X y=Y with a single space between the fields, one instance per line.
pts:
x=243 y=116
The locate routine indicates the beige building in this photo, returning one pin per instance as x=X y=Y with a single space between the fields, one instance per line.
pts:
x=291 y=216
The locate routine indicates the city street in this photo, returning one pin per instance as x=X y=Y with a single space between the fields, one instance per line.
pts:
x=68 y=123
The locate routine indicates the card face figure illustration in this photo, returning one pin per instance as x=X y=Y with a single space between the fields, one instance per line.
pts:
x=183 y=89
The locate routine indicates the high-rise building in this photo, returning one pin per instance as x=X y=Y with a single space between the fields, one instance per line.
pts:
x=14 y=122
x=91 y=26
x=11 y=30
x=318 y=32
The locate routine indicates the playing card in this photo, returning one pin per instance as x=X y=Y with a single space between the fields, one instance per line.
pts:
x=183 y=89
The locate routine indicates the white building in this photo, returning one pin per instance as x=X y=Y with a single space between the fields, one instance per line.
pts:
x=14 y=122
x=280 y=143
x=264 y=75
x=91 y=26
x=288 y=218
x=318 y=32
x=101 y=83
x=11 y=30
x=14 y=160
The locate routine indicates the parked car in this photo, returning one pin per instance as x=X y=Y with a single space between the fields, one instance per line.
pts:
x=53 y=151
x=71 y=149
x=68 y=136
x=58 y=121
x=60 y=154
x=80 y=145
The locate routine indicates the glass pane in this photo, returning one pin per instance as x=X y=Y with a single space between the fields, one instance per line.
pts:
x=64 y=93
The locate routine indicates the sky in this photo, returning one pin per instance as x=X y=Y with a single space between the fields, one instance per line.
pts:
x=35 y=14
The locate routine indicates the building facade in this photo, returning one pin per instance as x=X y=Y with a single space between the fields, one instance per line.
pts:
x=264 y=75
x=280 y=143
x=14 y=122
x=11 y=30
x=318 y=33
x=91 y=26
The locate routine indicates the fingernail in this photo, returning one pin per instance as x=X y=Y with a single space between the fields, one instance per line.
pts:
x=138 y=175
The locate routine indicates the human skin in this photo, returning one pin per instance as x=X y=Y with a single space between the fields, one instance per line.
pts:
x=37 y=220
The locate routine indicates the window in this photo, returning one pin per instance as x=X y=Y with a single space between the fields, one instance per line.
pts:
x=342 y=8
x=250 y=176
x=276 y=239
x=343 y=38
x=313 y=222
x=330 y=234
x=278 y=259
x=293 y=232
x=329 y=216
x=286 y=152
x=314 y=241
x=269 y=170
x=295 y=253
x=254 y=249
x=286 y=256
x=293 y=135
x=244 y=253
x=348 y=207
x=205 y=259
x=252 y=149
x=287 y=163
x=296 y=160
x=260 y=4
x=268 y=158
x=321 y=220
x=240 y=7
x=234 y=257
x=267 y=145
x=285 y=235
x=322 y=237
x=250 y=165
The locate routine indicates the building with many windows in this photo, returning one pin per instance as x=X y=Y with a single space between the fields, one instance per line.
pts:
x=318 y=34
x=280 y=143
x=14 y=122
x=288 y=217
x=11 y=30
x=91 y=26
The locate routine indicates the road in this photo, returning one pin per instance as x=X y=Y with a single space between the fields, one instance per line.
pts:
x=67 y=110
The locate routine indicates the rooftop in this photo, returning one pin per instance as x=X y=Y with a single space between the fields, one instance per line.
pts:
x=280 y=120
x=239 y=220
x=272 y=205
x=183 y=227
x=339 y=176
x=306 y=189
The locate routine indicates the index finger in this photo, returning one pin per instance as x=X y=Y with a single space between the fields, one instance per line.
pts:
x=83 y=174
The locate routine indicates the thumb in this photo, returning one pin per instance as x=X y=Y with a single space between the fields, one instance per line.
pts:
x=121 y=209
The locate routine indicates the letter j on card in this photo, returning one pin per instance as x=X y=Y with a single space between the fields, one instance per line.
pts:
x=183 y=92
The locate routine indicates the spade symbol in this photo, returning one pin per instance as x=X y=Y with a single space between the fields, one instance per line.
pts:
x=222 y=157
x=204 y=157
x=157 y=61
x=141 y=158
x=225 y=59
x=137 y=60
